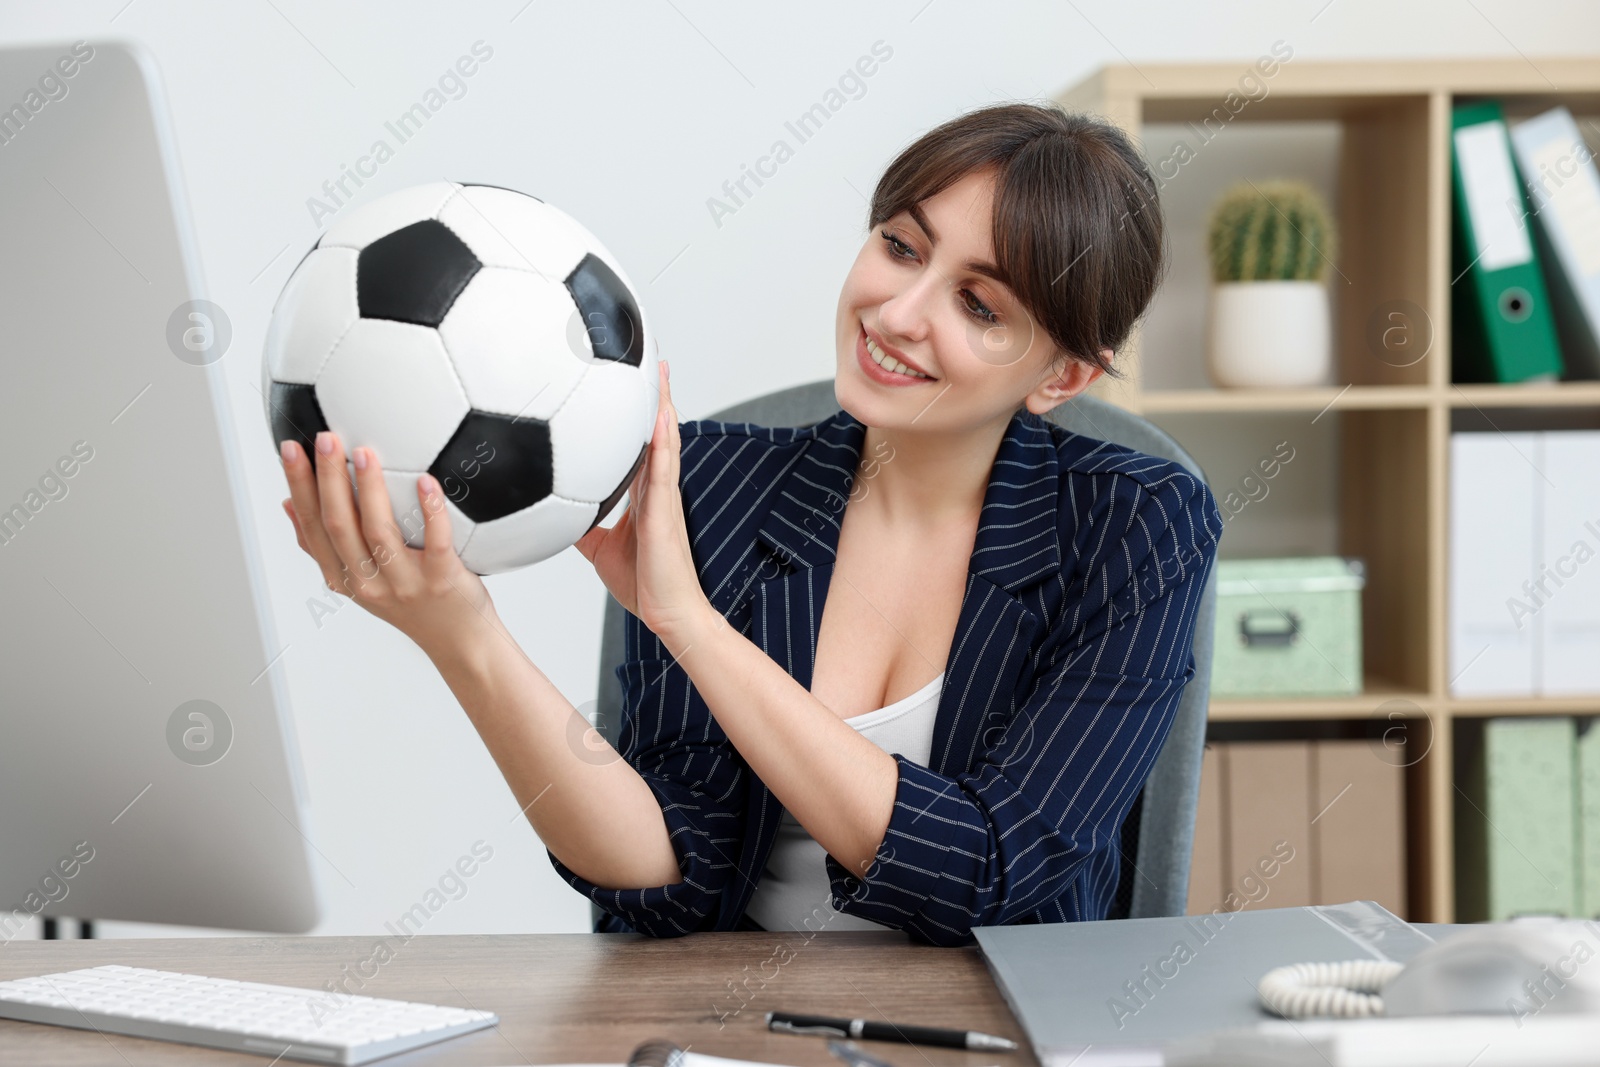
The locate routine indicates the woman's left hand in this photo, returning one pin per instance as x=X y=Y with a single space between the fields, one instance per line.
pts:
x=644 y=560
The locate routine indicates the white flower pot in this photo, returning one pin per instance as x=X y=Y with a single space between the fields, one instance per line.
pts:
x=1269 y=334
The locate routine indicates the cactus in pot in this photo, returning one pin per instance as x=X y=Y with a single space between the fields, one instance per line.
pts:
x=1273 y=230
x=1270 y=245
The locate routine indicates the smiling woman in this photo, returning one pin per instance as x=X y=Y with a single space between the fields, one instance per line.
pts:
x=928 y=707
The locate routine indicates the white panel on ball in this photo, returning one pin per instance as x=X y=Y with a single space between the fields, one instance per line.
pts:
x=389 y=386
x=589 y=436
x=528 y=536
x=386 y=214
x=318 y=305
x=408 y=513
x=525 y=234
x=493 y=333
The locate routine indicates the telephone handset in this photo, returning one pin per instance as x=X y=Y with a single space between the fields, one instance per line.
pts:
x=1520 y=968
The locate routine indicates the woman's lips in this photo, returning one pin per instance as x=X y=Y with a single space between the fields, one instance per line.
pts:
x=871 y=369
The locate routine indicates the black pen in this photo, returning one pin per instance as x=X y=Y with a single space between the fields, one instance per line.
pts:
x=868 y=1030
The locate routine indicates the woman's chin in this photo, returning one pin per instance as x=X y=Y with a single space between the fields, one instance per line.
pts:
x=850 y=394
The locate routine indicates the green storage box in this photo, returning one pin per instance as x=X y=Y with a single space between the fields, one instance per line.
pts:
x=1588 y=787
x=1515 y=814
x=1288 y=627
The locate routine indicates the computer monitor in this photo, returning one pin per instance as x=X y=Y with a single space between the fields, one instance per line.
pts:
x=148 y=768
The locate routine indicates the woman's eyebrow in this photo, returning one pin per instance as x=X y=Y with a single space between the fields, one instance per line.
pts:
x=988 y=270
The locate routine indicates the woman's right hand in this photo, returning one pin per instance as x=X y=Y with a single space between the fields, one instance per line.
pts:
x=428 y=593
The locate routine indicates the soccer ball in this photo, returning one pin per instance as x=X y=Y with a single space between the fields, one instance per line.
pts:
x=481 y=335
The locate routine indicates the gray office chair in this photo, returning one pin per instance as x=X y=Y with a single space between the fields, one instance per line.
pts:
x=1158 y=834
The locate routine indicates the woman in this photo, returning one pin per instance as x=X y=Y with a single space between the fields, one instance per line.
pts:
x=956 y=740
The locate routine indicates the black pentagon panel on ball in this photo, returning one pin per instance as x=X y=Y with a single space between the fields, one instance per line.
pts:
x=296 y=415
x=495 y=465
x=609 y=312
x=622 y=487
x=414 y=274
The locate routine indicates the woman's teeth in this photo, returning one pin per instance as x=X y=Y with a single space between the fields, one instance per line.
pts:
x=889 y=363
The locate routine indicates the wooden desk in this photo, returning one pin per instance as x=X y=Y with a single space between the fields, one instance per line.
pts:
x=568 y=998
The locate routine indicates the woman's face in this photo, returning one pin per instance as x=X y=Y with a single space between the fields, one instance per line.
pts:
x=922 y=291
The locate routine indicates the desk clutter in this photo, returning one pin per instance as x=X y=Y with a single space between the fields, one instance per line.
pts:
x=1197 y=990
x=1292 y=823
x=1193 y=991
x=1116 y=991
x=1527 y=817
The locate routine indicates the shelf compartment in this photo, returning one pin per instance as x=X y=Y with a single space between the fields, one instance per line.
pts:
x=1387 y=172
x=1372 y=158
x=1386 y=484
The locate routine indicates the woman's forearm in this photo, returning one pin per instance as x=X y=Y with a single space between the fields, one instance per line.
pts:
x=598 y=817
x=839 y=785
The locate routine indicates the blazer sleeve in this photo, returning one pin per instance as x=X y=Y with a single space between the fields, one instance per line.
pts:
x=1050 y=791
x=669 y=736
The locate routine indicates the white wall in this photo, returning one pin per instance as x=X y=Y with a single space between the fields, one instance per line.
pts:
x=629 y=116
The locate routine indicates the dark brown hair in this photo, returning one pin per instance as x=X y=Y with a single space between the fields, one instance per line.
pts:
x=1077 y=233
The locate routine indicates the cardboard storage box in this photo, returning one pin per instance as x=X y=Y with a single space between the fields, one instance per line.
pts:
x=1288 y=627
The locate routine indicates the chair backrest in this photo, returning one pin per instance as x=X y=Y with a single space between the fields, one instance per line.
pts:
x=1158 y=834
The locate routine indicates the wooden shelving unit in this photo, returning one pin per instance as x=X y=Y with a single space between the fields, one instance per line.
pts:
x=1392 y=210
x=1375 y=692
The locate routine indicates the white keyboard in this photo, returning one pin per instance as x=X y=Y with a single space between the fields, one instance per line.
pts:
x=273 y=1020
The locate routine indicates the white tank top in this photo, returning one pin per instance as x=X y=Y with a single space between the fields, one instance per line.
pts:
x=793 y=892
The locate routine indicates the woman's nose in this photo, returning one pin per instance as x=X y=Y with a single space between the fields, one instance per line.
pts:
x=904 y=316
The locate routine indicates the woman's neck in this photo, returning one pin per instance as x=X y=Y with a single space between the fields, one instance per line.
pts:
x=922 y=478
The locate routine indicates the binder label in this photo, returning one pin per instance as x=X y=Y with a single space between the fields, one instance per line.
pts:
x=1576 y=205
x=1484 y=154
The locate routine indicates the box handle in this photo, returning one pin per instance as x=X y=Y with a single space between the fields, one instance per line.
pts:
x=1268 y=629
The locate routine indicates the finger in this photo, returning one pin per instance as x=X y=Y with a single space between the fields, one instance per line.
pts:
x=596 y=536
x=437 y=547
x=299 y=534
x=662 y=483
x=660 y=462
x=378 y=527
x=672 y=422
x=636 y=487
x=669 y=431
x=308 y=511
x=641 y=480
x=339 y=516
x=582 y=544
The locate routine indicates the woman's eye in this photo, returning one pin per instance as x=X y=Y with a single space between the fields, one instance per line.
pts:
x=977 y=308
x=895 y=244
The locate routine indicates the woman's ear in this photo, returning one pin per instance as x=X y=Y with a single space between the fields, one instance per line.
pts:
x=1071 y=377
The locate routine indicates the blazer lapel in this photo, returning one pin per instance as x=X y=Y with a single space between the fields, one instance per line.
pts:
x=1017 y=546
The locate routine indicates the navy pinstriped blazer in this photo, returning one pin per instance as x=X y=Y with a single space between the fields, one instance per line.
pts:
x=1072 y=648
